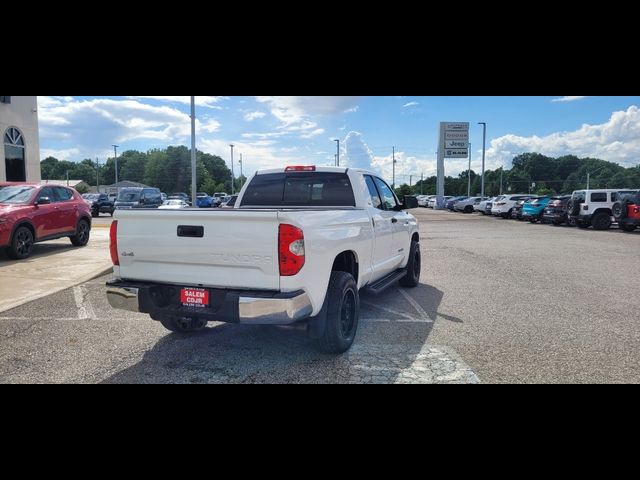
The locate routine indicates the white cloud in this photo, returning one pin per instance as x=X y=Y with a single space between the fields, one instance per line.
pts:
x=250 y=117
x=617 y=140
x=210 y=125
x=84 y=128
x=314 y=133
x=295 y=110
x=410 y=104
x=567 y=99
x=209 y=102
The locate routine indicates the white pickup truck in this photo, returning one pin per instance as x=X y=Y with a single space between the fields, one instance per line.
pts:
x=299 y=246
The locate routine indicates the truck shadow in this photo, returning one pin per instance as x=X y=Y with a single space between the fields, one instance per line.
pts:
x=390 y=348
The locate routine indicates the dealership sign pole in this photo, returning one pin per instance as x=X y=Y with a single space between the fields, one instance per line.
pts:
x=453 y=143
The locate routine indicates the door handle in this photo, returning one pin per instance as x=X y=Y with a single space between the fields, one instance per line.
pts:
x=394 y=220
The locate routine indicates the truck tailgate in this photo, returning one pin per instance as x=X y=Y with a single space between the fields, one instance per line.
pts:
x=212 y=248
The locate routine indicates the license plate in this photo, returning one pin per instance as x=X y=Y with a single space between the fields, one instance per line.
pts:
x=194 y=297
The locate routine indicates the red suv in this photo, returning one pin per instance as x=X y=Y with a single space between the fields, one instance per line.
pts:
x=35 y=213
x=626 y=211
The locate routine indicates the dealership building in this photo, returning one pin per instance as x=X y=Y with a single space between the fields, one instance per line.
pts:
x=20 y=149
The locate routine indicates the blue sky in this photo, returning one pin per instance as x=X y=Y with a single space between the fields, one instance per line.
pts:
x=271 y=131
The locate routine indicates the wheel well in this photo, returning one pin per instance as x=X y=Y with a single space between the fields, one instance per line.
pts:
x=346 y=262
x=24 y=224
x=603 y=210
x=415 y=238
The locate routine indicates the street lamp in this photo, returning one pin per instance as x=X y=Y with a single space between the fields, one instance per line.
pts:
x=115 y=153
x=233 y=177
x=484 y=152
x=194 y=180
x=337 y=140
x=241 y=177
x=469 y=174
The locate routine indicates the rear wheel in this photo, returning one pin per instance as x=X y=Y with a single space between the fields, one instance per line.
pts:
x=601 y=221
x=83 y=233
x=343 y=313
x=628 y=228
x=21 y=244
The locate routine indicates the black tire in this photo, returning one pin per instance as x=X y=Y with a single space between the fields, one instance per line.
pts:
x=83 y=234
x=183 y=325
x=601 y=221
x=95 y=213
x=414 y=267
x=21 y=244
x=343 y=314
x=628 y=228
x=468 y=209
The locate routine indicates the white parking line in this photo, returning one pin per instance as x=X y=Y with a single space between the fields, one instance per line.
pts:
x=388 y=310
x=415 y=305
x=85 y=310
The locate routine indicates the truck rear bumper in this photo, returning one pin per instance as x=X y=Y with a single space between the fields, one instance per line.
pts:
x=231 y=306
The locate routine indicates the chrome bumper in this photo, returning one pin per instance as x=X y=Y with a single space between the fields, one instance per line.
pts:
x=250 y=310
x=123 y=298
x=274 y=311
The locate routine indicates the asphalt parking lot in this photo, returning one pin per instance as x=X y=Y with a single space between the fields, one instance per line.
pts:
x=500 y=301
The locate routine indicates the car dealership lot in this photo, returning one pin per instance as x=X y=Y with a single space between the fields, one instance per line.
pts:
x=500 y=301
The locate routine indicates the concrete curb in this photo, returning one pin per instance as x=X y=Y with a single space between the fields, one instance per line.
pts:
x=86 y=278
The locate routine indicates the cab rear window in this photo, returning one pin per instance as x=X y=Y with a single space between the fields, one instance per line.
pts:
x=314 y=189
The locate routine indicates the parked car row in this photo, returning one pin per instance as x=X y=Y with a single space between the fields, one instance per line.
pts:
x=599 y=209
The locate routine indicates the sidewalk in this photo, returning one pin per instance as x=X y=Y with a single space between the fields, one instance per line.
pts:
x=53 y=267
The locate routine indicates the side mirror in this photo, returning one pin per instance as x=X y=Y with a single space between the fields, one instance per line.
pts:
x=43 y=201
x=410 y=202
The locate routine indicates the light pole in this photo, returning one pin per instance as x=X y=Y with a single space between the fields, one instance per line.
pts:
x=484 y=152
x=115 y=154
x=422 y=184
x=241 y=177
x=469 y=174
x=233 y=177
x=97 y=175
x=194 y=183
x=394 y=169
x=338 y=154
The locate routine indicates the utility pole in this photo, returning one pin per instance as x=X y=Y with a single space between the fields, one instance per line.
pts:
x=233 y=177
x=67 y=178
x=469 y=174
x=484 y=151
x=422 y=184
x=410 y=180
x=97 y=175
x=501 y=173
x=115 y=154
x=588 y=179
x=338 y=154
x=241 y=177
x=394 y=169
x=194 y=183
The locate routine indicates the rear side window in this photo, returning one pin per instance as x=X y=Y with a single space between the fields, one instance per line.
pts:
x=299 y=190
x=64 y=195
x=599 y=197
x=373 y=191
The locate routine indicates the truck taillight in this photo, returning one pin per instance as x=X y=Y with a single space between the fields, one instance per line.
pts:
x=636 y=209
x=113 y=243
x=291 y=250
